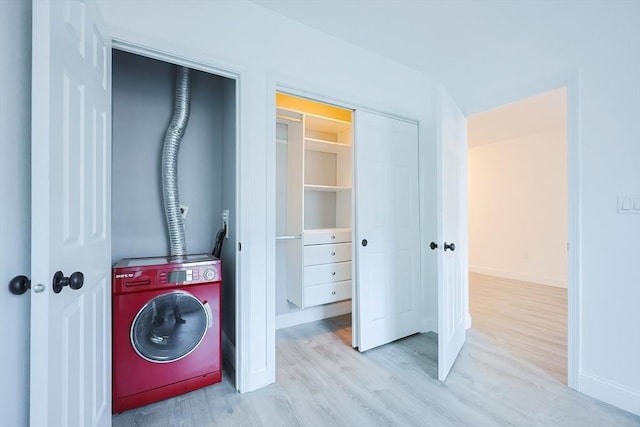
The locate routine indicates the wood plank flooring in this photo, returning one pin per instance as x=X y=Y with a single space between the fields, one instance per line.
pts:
x=322 y=381
x=528 y=320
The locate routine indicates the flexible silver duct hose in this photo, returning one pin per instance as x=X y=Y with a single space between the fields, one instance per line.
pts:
x=170 y=163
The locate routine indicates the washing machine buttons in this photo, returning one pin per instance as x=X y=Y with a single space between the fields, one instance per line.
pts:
x=209 y=274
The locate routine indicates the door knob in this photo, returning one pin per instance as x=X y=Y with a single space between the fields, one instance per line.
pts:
x=450 y=246
x=19 y=285
x=75 y=281
x=433 y=245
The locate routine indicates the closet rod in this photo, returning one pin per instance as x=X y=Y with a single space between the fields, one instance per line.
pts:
x=289 y=118
x=299 y=236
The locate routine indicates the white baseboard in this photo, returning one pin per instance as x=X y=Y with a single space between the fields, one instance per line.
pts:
x=228 y=350
x=312 y=314
x=430 y=325
x=549 y=281
x=615 y=394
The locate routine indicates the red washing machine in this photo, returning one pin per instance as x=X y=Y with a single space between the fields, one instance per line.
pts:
x=166 y=328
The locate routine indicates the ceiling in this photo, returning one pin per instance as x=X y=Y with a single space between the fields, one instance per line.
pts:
x=440 y=36
x=428 y=35
x=540 y=113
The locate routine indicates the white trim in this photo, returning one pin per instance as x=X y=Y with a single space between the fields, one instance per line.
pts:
x=610 y=392
x=312 y=314
x=148 y=52
x=574 y=196
x=166 y=50
x=296 y=90
x=541 y=280
x=239 y=373
x=255 y=336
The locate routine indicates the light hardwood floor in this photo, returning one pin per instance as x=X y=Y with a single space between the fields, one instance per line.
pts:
x=322 y=381
x=528 y=320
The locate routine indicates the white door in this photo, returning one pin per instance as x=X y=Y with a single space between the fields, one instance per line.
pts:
x=71 y=200
x=452 y=246
x=387 y=230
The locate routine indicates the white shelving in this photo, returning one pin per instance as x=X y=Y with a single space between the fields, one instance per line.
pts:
x=326 y=146
x=326 y=128
x=328 y=188
x=319 y=207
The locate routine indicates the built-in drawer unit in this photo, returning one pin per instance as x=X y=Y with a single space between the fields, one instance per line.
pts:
x=327 y=273
x=325 y=254
x=329 y=292
x=329 y=235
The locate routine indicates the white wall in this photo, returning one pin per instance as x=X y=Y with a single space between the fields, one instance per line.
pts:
x=267 y=49
x=15 y=215
x=598 y=43
x=518 y=208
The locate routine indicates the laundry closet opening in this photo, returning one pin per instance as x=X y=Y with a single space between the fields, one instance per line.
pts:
x=144 y=96
x=314 y=211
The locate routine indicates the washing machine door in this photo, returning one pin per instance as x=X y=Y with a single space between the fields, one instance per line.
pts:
x=170 y=326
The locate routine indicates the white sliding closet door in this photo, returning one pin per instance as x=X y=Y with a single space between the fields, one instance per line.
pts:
x=71 y=222
x=387 y=230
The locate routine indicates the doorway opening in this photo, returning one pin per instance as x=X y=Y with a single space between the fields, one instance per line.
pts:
x=322 y=206
x=314 y=211
x=143 y=96
x=518 y=228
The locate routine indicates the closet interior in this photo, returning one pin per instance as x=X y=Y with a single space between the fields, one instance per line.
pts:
x=314 y=203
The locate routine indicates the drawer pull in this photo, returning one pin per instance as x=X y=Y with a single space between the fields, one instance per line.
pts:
x=333 y=254
x=333 y=273
x=333 y=292
x=333 y=236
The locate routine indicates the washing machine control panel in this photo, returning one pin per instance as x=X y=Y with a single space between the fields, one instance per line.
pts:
x=192 y=275
x=131 y=275
x=209 y=274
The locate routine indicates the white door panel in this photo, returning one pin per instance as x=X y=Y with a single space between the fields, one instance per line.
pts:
x=71 y=161
x=388 y=267
x=452 y=264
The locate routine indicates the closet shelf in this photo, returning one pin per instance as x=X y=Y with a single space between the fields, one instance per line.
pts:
x=327 y=230
x=326 y=188
x=325 y=145
x=326 y=124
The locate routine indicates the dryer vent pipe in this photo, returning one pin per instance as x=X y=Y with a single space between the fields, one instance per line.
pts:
x=170 y=162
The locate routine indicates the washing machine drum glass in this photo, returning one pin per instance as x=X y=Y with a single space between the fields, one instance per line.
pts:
x=169 y=327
